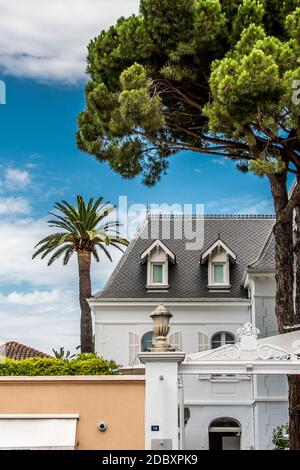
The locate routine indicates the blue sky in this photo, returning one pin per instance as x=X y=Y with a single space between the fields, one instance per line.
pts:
x=39 y=164
x=38 y=136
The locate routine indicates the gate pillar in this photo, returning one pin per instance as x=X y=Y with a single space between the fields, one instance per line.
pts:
x=161 y=399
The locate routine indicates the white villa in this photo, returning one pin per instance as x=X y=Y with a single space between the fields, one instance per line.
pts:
x=211 y=291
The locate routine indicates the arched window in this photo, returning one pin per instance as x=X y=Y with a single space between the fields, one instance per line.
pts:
x=222 y=338
x=146 y=342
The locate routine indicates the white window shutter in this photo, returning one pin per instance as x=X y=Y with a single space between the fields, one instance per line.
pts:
x=175 y=340
x=134 y=347
x=203 y=341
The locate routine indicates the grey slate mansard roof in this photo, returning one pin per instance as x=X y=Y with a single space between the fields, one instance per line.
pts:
x=266 y=260
x=246 y=235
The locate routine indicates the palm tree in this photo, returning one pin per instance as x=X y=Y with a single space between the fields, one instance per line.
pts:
x=85 y=233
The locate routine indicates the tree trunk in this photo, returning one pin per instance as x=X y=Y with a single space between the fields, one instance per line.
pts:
x=294 y=411
x=294 y=381
x=86 y=327
x=284 y=309
x=297 y=256
x=284 y=254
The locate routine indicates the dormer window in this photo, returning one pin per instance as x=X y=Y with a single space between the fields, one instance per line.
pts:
x=219 y=256
x=158 y=257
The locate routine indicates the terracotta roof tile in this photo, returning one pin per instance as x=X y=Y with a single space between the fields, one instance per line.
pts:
x=18 y=351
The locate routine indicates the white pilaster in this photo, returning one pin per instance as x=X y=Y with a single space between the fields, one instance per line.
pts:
x=161 y=400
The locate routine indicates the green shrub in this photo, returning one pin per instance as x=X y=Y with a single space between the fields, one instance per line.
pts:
x=85 y=356
x=280 y=437
x=83 y=364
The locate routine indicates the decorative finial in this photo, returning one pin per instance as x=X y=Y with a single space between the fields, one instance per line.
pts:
x=161 y=319
x=248 y=337
x=248 y=330
x=147 y=210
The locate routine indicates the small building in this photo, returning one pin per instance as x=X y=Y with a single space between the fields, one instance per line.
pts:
x=19 y=351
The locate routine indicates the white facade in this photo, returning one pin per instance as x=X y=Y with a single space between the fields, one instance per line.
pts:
x=258 y=404
x=115 y=321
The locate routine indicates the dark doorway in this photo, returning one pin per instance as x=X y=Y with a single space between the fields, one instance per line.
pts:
x=224 y=434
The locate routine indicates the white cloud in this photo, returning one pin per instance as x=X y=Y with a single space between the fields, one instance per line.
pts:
x=48 y=315
x=48 y=40
x=31 y=165
x=16 y=179
x=212 y=204
x=41 y=319
x=221 y=161
x=30 y=298
x=14 y=205
x=18 y=240
x=243 y=205
x=39 y=304
x=260 y=207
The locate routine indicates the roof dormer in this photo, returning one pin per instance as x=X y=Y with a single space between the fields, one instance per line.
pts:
x=158 y=256
x=219 y=256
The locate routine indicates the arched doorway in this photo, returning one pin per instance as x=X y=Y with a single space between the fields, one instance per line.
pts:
x=224 y=434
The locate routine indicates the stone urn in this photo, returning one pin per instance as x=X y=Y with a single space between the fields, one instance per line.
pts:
x=161 y=319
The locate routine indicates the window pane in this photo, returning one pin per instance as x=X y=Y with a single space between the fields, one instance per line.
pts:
x=216 y=341
x=218 y=273
x=147 y=341
x=229 y=339
x=157 y=273
x=215 y=344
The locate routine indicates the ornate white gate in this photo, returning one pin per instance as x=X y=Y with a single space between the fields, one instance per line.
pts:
x=165 y=369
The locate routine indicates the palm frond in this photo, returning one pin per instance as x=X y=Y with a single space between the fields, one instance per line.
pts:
x=90 y=205
x=71 y=214
x=69 y=252
x=104 y=212
x=98 y=202
x=112 y=223
x=42 y=249
x=84 y=228
x=92 y=234
x=67 y=209
x=48 y=250
x=95 y=255
x=67 y=224
x=49 y=238
x=116 y=246
x=119 y=240
x=57 y=254
x=67 y=237
x=81 y=210
x=103 y=248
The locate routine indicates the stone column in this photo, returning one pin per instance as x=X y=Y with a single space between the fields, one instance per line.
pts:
x=161 y=400
x=161 y=374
